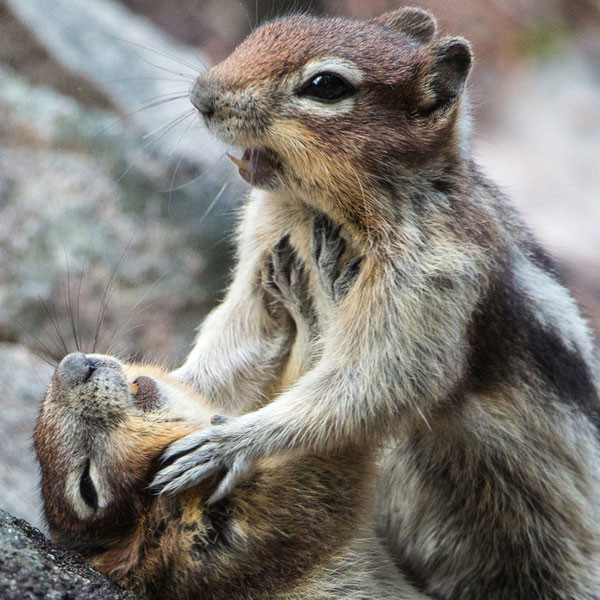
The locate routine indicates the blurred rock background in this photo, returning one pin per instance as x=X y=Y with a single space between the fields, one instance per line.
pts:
x=116 y=210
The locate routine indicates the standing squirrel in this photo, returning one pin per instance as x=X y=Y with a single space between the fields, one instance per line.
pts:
x=455 y=348
x=298 y=529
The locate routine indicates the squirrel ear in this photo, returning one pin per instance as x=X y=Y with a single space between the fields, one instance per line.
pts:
x=413 y=22
x=446 y=75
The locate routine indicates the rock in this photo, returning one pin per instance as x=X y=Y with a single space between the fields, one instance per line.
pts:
x=31 y=568
x=23 y=381
x=133 y=62
x=90 y=258
x=22 y=52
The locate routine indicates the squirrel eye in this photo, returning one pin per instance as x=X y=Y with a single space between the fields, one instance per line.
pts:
x=87 y=489
x=326 y=87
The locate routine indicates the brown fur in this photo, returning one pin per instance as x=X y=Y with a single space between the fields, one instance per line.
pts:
x=294 y=530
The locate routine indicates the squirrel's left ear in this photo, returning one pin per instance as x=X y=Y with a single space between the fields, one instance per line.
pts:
x=413 y=22
x=444 y=78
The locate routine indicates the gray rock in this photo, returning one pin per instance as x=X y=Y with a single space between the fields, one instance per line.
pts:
x=132 y=61
x=23 y=380
x=31 y=568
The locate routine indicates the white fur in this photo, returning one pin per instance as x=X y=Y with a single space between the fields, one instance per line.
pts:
x=555 y=308
x=345 y=69
x=332 y=64
x=328 y=110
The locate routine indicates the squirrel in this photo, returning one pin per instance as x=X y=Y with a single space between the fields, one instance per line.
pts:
x=298 y=529
x=455 y=349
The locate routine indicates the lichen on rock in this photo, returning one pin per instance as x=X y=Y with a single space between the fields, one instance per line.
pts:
x=32 y=567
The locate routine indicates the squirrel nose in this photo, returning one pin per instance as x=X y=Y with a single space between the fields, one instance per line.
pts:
x=202 y=98
x=75 y=368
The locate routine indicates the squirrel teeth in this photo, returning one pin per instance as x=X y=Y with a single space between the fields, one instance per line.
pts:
x=257 y=166
x=243 y=164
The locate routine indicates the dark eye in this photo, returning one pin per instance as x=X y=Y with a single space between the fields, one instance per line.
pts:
x=87 y=488
x=326 y=87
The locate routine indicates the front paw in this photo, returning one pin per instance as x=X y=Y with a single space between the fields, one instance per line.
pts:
x=200 y=455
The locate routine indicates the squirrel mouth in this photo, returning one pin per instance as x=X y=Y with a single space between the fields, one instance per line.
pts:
x=257 y=167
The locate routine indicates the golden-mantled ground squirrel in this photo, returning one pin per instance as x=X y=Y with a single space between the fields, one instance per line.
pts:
x=298 y=529
x=456 y=347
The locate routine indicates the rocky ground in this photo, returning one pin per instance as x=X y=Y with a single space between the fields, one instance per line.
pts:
x=32 y=568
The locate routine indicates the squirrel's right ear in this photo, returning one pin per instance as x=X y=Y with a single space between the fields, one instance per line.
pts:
x=444 y=78
x=413 y=22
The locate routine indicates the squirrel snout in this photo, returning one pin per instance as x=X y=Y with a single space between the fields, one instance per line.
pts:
x=75 y=368
x=203 y=98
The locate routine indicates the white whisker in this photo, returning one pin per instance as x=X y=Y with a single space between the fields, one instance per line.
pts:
x=135 y=112
x=181 y=157
x=172 y=57
x=146 y=78
x=195 y=179
x=161 y=127
x=165 y=129
x=213 y=203
x=130 y=315
x=189 y=114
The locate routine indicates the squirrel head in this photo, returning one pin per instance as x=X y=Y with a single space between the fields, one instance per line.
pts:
x=102 y=428
x=331 y=110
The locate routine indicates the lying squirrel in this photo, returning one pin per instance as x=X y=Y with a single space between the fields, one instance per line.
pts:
x=456 y=348
x=296 y=530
